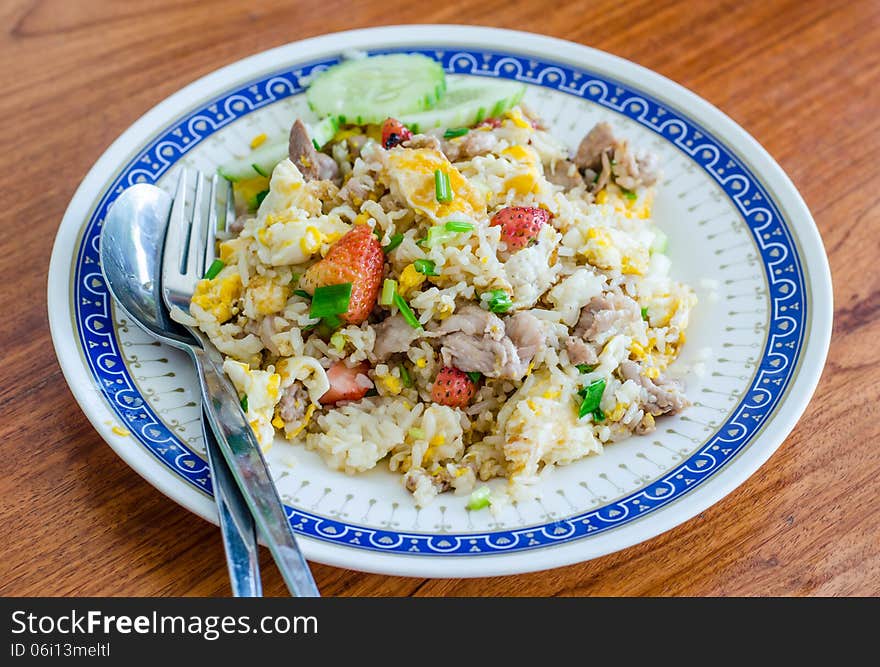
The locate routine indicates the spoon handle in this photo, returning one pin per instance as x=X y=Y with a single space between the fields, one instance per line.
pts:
x=242 y=452
x=236 y=523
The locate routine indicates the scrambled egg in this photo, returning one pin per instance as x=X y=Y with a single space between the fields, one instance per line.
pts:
x=263 y=391
x=289 y=227
x=265 y=296
x=544 y=427
x=218 y=296
x=412 y=174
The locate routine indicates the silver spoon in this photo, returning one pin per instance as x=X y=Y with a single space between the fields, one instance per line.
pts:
x=131 y=247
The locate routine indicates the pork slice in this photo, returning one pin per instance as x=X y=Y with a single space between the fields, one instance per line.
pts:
x=598 y=140
x=473 y=320
x=492 y=358
x=665 y=395
x=603 y=313
x=393 y=335
x=632 y=170
x=580 y=352
x=314 y=166
x=564 y=173
x=294 y=402
x=527 y=333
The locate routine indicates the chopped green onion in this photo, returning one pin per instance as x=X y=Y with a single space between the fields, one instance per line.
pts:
x=260 y=197
x=316 y=145
x=437 y=234
x=426 y=267
x=389 y=289
x=294 y=278
x=244 y=403
x=585 y=368
x=592 y=396
x=372 y=391
x=417 y=433
x=404 y=375
x=406 y=312
x=479 y=498
x=396 y=240
x=331 y=322
x=442 y=187
x=259 y=170
x=629 y=194
x=309 y=327
x=453 y=132
x=377 y=233
x=498 y=300
x=474 y=375
x=215 y=268
x=337 y=340
x=645 y=313
x=598 y=416
x=302 y=293
x=660 y=241
x=458 y=226
x=330 y=300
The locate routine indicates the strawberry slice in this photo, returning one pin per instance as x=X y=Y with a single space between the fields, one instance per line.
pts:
x=453 y=388
x=394 y=132
x=520 y=225
x=356 y=258
x=346 y=384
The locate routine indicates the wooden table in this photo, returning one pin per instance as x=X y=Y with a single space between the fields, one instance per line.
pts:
x=801 y=77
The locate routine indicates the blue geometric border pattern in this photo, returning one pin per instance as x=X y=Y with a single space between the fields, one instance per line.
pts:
x=779 y=259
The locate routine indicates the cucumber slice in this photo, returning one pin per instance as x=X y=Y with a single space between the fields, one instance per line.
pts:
x=467 y=101
x=323 y=131
x=369 y=90
x=261 y=161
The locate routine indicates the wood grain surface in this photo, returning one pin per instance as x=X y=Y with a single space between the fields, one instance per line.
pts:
x=801 y=77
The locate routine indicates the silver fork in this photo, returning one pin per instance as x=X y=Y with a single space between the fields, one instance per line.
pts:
x=189 y=249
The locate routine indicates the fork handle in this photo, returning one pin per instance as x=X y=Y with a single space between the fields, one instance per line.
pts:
x=236 y=523
x=241 y=450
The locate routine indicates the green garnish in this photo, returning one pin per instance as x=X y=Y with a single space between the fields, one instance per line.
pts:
x=475 y=376
x=330 y=323
x=498 y=300
x=215 y=268
x=442 y=187
x=330 y=300
x=294 y=278
x=645 y=313
x=406 y=312
x=259 y=170
x=453 y=132
x=417 y=433
x=377 y=233
x=629 y=194
x=316 y=145
x=302 y=293
x=426 y=267
x=389 y=289
x=260 y=197
x=458 y=226
x=592 y=396
x=585 y=368
x=337 y=340
x=479 y=499
x=244 y=403
x=396 y=240
x=598 y=415
x=437 y=234
x=404 y=375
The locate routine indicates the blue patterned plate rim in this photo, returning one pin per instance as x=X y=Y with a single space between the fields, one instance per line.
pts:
x=396 y=550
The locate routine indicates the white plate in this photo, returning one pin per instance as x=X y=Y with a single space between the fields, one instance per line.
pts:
x=738 y=232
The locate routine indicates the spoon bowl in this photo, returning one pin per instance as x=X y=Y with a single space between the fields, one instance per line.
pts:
x=132 y=238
